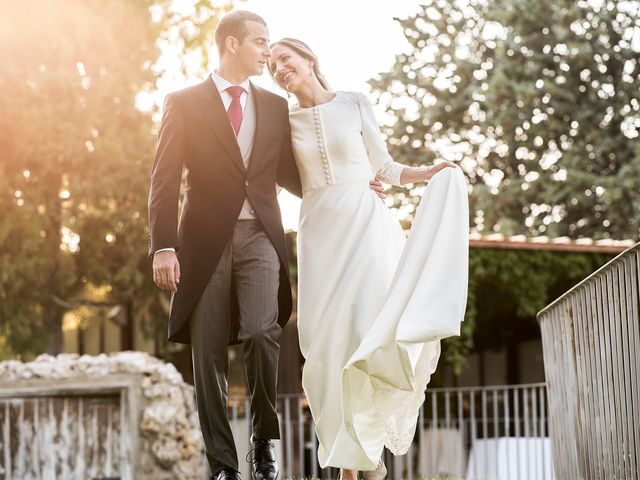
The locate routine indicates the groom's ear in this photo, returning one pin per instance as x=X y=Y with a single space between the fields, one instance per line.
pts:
x=231 y=44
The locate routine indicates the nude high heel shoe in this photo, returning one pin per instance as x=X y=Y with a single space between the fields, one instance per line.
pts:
x=380 y=473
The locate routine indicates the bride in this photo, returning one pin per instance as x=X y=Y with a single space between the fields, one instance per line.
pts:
x=372 y=306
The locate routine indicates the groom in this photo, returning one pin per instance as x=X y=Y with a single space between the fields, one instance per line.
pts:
x=226 y=261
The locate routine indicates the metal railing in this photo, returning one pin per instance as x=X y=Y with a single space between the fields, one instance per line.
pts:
x=488 y=433
x=591 y=346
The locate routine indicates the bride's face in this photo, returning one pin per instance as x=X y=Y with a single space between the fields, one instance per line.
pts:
x=290 y=70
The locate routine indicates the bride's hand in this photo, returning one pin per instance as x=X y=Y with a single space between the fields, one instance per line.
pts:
x=440 y=166
x=378 y=188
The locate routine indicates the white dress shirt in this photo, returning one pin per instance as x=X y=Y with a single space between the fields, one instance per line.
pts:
x=222 y=85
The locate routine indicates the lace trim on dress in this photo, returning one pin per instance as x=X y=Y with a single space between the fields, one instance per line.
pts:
x=390 y=173
x=351 y=98
x=400 y=424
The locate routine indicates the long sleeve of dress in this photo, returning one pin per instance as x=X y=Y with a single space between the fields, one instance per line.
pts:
x=382 y=163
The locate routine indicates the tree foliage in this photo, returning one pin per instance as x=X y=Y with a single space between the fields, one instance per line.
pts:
x=540 y=104
x=77 y=153
x=506 y=290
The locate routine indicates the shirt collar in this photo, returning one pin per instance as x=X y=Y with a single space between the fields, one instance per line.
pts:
x=222 y=84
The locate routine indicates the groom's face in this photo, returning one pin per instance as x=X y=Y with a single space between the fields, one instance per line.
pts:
x=252 y=54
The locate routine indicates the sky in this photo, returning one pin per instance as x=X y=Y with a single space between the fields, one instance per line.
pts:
x=353 y=39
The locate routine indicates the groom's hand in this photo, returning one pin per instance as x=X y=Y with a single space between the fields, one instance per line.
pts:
x=166 y=270
x=377 y=188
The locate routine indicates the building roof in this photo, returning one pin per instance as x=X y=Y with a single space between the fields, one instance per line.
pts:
x=563 y=244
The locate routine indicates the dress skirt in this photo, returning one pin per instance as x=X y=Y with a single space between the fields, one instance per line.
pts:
x=373 y=306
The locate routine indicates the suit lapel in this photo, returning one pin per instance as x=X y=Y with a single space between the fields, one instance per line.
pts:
x=216 y=115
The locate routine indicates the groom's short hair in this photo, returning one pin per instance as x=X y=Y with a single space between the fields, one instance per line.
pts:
x=234 y=24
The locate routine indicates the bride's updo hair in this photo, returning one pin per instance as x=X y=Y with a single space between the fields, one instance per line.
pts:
x=305 y=52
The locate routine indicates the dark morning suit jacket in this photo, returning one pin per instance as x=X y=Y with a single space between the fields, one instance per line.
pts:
x=196 y=134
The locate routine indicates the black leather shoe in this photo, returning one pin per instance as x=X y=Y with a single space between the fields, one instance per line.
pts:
x=263 y=459
x=226 y=474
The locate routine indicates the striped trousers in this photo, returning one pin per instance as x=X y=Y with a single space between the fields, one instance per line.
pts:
x=250 y=266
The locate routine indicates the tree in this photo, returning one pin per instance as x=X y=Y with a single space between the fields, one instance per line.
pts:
x=506 y=290
x=77 y=153
x=541 y=107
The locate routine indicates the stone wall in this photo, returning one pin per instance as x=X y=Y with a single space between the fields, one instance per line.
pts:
x=125 y=415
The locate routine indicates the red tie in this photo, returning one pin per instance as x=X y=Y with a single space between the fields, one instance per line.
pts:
x=235 y=109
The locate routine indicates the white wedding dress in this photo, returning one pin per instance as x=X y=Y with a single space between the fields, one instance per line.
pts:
x=372 y=305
